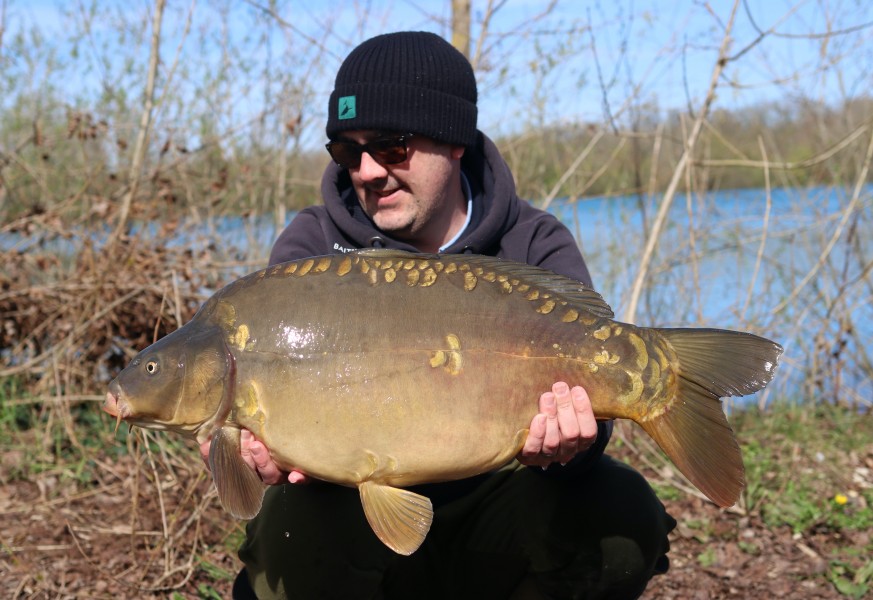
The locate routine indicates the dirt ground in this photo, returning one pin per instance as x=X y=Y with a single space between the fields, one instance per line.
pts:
x=120 y=535
x=742 y=558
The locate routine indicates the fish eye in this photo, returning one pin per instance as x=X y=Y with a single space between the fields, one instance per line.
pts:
x=151 y=367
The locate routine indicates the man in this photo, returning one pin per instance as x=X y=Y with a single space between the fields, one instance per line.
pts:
x=411 y=172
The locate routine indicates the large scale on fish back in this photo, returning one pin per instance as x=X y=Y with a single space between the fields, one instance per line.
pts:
x=382 y=369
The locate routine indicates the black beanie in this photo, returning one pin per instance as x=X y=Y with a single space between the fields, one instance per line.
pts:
x=408 y=82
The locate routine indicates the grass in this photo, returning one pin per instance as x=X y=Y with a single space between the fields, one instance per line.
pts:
x=810 y=470
x=850 y=582
x=806 y=466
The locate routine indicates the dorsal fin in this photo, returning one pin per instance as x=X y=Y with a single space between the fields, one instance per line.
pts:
x=565 y=288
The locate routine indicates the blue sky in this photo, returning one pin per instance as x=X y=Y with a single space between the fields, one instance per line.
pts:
x=667 y=49
x=604 y=53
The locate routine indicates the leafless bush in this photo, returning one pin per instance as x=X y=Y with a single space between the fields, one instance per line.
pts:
x=85 y=317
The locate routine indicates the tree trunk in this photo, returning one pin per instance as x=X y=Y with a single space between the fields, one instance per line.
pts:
x=461 y=26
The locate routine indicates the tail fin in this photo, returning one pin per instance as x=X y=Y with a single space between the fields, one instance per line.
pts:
x=693 y=429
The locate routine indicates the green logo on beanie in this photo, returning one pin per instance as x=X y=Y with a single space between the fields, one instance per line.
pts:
x=346 y=109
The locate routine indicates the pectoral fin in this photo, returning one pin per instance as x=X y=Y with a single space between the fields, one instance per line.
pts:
x=400 y=518
x=240 y=489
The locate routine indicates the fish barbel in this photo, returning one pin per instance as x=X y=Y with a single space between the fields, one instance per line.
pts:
x=382 y=369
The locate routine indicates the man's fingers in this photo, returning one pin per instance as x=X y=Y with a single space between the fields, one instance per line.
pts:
x=552 y=438
x=245 y=448
x=257 y=457
x=297 y=477
x=533 y=445
x=262 y=458
x=204 y=451
x=584 y=417
x=568 y=423
x=564 y=427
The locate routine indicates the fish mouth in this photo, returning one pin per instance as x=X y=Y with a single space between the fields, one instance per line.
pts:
x=115 y=408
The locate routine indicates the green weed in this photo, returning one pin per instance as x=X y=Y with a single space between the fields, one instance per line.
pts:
x=707 y=558
x=15 y=416
x=749 y=547
x=701 y=529
x=850 y=582
x=207 y=592
x=666 y=492
x=216 y=572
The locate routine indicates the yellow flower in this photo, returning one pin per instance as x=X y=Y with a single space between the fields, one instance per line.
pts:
x=841 y=499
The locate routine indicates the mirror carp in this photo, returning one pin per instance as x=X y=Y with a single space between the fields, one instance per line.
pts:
x=381 y=369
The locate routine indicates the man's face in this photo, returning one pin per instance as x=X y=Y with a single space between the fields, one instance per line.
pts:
x=411 y=199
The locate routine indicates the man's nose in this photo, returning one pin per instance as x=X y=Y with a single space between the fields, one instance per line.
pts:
x=370 y=169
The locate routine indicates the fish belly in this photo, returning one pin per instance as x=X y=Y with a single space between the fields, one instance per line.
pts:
x=410 y=420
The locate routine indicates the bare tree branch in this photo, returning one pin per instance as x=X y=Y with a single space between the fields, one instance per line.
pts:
x=135 y=173
x=667 y=201
x=572 y=169
x=848 y=212
x=764 y=230
x=317 y=43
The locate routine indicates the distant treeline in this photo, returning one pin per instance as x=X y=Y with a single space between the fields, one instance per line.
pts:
x=75 y=163
x=803 y=143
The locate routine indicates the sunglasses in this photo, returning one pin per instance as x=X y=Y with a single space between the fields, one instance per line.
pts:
x=388 y=150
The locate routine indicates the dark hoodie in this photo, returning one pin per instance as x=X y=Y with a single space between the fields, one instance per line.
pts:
x=501 y=225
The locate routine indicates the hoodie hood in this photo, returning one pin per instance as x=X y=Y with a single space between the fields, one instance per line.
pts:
x=495 y=204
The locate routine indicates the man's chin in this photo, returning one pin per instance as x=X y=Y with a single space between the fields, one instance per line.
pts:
x=392 y=221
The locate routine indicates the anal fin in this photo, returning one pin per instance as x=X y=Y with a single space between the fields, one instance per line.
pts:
x=240 y=489
x=400 y=518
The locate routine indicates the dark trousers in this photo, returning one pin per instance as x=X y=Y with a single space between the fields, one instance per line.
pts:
x=601 y=535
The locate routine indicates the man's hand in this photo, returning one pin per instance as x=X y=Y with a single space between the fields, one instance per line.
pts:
x=564 y=427
x=257 y=457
